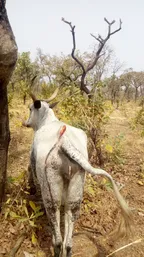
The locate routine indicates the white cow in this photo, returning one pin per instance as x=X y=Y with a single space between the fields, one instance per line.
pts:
x=59 y=159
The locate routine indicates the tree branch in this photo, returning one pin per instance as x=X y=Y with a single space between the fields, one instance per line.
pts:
x=99 y=38
x=83 y=86
x=98 y=54
x=110 y=25
x=74 y=44
x=120 y=27
x=102 y=42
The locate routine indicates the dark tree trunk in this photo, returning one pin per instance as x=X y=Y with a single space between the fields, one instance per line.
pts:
x=24 y=99
x=8 y=57
x=13 y=86
x=136 y=93
x=95 y=136
x=4 y=138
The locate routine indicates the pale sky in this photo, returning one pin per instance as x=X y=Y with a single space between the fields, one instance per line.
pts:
x=37 y=24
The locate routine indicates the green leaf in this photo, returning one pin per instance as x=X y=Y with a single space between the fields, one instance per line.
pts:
x=14 y=215
x=38 y=214
x=107 y=184
x=86 y=208
x=33 y=206
x=6 y=213
x=109 y=148
x=10 y=179
x=26 y=211
x=32 y=216
x=8 y=200
x=32 y=223
x=91 y=190
x=20 y=177
x=38 y=208
x=23 y=219
x=34 y=239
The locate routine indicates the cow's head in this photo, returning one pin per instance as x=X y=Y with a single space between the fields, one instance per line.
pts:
x=39 y=111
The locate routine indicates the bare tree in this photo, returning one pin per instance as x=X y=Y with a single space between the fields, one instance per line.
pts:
x=137 y=82
x=98 y=52
x=8 y=57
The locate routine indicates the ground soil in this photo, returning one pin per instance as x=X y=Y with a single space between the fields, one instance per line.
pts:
x=92 y=230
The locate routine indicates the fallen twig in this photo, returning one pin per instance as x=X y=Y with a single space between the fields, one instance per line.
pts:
x=91 y=230
x=141 y=210
x=125 y=246
x=17 y=245
x=76 y=254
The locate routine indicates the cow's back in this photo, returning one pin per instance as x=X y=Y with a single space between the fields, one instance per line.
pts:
x=46 y=137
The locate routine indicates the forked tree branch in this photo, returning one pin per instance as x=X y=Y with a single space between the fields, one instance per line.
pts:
x=102 y=42
x=98 y=54
x=74 y=44
x=83 y=86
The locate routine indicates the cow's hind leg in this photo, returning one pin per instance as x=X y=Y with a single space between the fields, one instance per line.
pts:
x=51 y=193
x=69 y=226
x=54 y=218
x=72 y=209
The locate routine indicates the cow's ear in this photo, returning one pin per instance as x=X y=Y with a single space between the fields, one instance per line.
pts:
x=37 y=104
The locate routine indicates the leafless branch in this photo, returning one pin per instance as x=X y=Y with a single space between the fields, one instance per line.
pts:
x=109 y=27
x=109 y=23
x=74 y=43
x=103 y=42
x=98 y=54
x=83 y=86
x=125 y=246
x=99 y=38
x=32 y=81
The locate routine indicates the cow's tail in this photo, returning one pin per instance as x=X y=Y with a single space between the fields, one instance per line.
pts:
x=75 y=155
